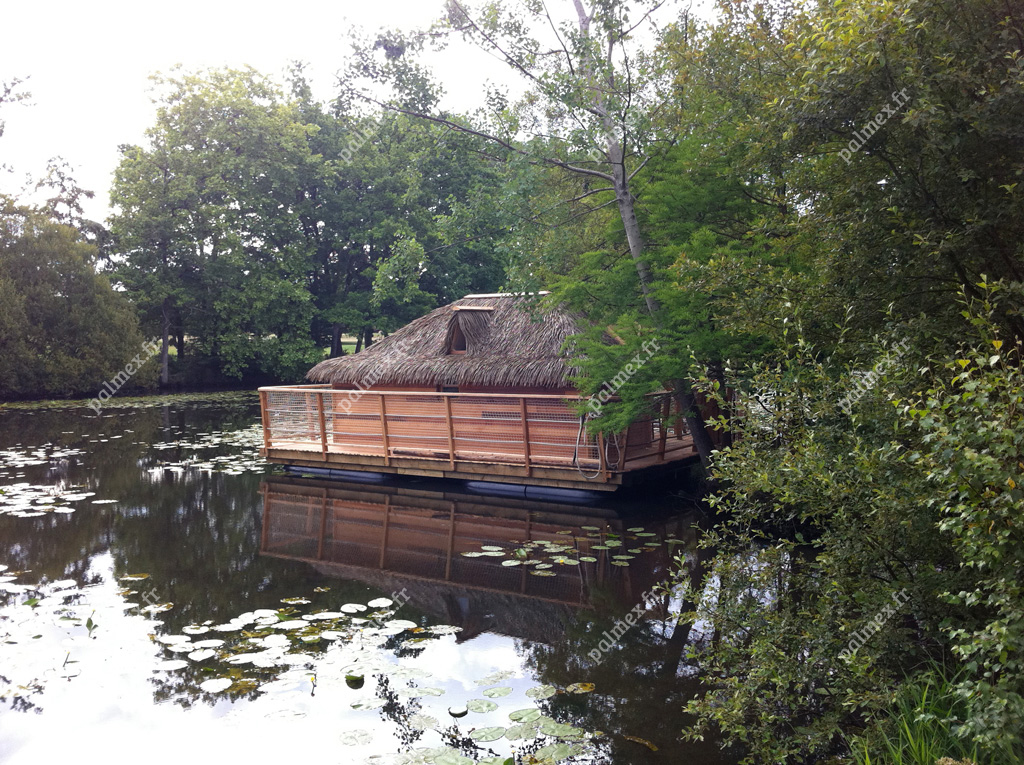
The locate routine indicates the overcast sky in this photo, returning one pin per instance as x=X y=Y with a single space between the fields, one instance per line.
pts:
x=87 y=66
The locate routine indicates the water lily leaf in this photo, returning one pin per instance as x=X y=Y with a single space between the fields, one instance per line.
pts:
x=171 y=665
x=446 y=757
x=623 y=557
x=497 y=693
x=213 y=643
x=636 y=529
x=542 y=692
x=380 y=603
x=599 y=547
x=511 y=563
x=647 y=534
x=353 y=608
x=620 y=563
x=492 y=548
x=588 y=559
x=216 y=685
x=356 y=737
x=401 y=624
x=524 y=715
x=553 y=753
x=481 y=705
x=543 y=573
x=295 y=601
x=133 y=577
x=291 y=624
x=559 y=730
x=444 y=629
x=202 y=654
x=483 y=735
x=422 y=722
x=368 y=704
x=493 y=554
x=581 y=688
x=495 y=677
x=522 y=731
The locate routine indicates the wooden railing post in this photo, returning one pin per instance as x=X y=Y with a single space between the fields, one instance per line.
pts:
x=600 y=455
x=265 y=416
x=663 y=435
x=384 y=429
x=323 y=425
x=451 y=429
x=526 y=437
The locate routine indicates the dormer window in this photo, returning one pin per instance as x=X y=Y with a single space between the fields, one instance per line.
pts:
x=457 y=342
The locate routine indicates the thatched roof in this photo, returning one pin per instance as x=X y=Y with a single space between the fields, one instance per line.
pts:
x=505 y=346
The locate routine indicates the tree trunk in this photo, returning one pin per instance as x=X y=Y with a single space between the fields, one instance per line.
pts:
x=368 y=337
x=165 y=372
x=687 y=404
x=627 y=211
x=336 y=347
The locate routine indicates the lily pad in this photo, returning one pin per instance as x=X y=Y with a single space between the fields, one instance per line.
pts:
x=483 y=735
x=525 y=715
x=481 y=705
x=423 y=722
x=216 y=685
x=559 y=730
x=497 y=693
x=522 y=731
x=542 y=692
x=581 y=688
x=356 y=737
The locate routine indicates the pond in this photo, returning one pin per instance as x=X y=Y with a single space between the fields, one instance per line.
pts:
x=166 y=595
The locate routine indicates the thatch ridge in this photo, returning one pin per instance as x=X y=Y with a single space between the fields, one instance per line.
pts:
x=504 y=347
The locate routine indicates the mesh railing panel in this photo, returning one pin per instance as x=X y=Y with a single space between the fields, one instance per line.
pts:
x=481 y=428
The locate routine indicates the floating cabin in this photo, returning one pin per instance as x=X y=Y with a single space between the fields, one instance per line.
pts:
x=477 y=390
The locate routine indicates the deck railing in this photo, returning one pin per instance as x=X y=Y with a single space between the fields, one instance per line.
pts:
x=525 y=430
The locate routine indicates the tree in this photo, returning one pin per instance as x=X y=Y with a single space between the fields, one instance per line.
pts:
x=208 y=240
x=591 y=109
x=63 y=330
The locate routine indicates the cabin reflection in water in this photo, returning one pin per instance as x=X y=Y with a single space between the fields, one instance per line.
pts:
x=393 y=537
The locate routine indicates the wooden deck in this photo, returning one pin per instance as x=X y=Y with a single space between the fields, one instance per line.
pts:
x=507 y=438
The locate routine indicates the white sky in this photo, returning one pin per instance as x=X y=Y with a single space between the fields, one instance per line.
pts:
x=87 y=66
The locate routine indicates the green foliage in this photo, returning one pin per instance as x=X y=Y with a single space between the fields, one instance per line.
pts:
x=919 y=727
x=973 y=442
x=63 y=330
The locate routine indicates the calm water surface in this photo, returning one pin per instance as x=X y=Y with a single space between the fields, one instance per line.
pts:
x=165 y=596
